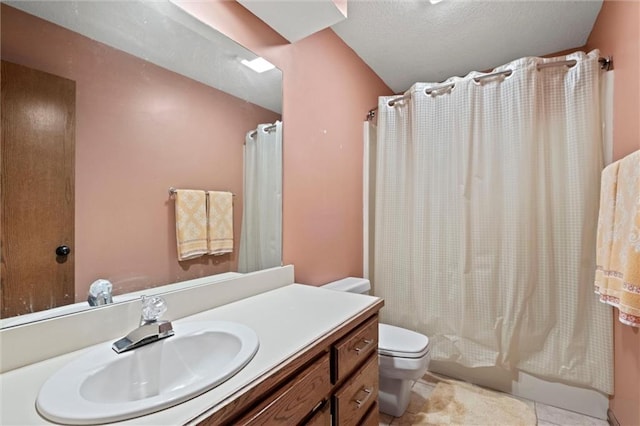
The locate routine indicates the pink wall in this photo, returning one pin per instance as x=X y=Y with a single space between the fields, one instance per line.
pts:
x=327 y=88
x=140 y=130
x=617 y=33
x=327 y=93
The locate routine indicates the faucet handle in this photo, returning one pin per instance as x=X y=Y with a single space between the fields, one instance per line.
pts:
x=100 y=293
x=152 y=308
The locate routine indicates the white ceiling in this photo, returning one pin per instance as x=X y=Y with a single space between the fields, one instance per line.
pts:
x=408 y=41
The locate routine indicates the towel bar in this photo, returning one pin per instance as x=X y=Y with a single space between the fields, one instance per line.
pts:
x=173 y=190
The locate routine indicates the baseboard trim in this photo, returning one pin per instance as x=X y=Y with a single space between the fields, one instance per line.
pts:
x=611 y=418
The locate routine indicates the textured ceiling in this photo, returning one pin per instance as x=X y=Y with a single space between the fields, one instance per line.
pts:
x=406 y=41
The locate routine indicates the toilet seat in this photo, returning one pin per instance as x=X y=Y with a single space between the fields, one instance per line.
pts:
x=400 y=342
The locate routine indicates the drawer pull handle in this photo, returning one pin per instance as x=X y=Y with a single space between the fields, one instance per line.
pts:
x=361 y=402
x=366 y=342
x=318 y=405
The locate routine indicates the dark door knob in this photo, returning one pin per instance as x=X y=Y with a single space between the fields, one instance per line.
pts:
x=63 y=251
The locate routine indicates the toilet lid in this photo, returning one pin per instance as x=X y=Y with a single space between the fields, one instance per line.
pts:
x=400 y=342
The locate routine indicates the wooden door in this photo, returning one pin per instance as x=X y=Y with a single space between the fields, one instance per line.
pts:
x=37 y=190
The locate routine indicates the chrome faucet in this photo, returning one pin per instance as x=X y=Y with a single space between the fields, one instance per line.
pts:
x=151 y=329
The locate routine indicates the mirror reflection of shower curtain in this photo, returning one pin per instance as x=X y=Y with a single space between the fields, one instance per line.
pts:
x=261 y=234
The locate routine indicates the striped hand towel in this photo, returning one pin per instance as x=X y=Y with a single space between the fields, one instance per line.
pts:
x=191 y=223
x=220 y=223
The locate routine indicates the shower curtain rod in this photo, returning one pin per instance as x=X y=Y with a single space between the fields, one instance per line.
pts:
x=266 y=129
x=605 y=64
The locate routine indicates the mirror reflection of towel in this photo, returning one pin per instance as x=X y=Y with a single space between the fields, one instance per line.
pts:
x=191 y=223
x=220 y=219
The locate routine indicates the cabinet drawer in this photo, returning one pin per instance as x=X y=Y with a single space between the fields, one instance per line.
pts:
x=359 y=393
x=352 y=350
x=322 y=417
x=296 y=400
x=372 y=418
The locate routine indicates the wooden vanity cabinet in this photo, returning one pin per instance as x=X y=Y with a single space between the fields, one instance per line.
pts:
x=334 y=382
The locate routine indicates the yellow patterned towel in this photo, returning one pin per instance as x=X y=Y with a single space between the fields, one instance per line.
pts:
x=220 y=223
x=608 y=188
x=617 y=278
x=191 y=223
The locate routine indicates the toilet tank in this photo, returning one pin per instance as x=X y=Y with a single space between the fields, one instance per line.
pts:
x=351 y=285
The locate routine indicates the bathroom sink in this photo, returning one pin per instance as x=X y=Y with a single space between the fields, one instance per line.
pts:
x=102 y=386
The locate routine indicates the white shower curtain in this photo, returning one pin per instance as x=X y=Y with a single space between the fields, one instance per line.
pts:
x=486 y=210
x=261 y=234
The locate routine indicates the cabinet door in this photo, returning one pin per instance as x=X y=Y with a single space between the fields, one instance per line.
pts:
x=295 y=401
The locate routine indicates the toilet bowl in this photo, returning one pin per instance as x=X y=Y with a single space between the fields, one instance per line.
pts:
x=403 y=355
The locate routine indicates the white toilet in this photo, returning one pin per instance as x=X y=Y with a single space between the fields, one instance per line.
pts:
x=403 y=355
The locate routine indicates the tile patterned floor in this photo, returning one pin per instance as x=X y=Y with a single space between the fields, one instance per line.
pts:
x=547 y=415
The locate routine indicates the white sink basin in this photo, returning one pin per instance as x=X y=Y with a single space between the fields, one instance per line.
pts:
x=101 y=386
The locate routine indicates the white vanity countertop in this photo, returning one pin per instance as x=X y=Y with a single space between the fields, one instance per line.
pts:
x=287 y=320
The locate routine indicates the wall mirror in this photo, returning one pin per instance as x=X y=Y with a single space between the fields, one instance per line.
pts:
x=137 y=97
